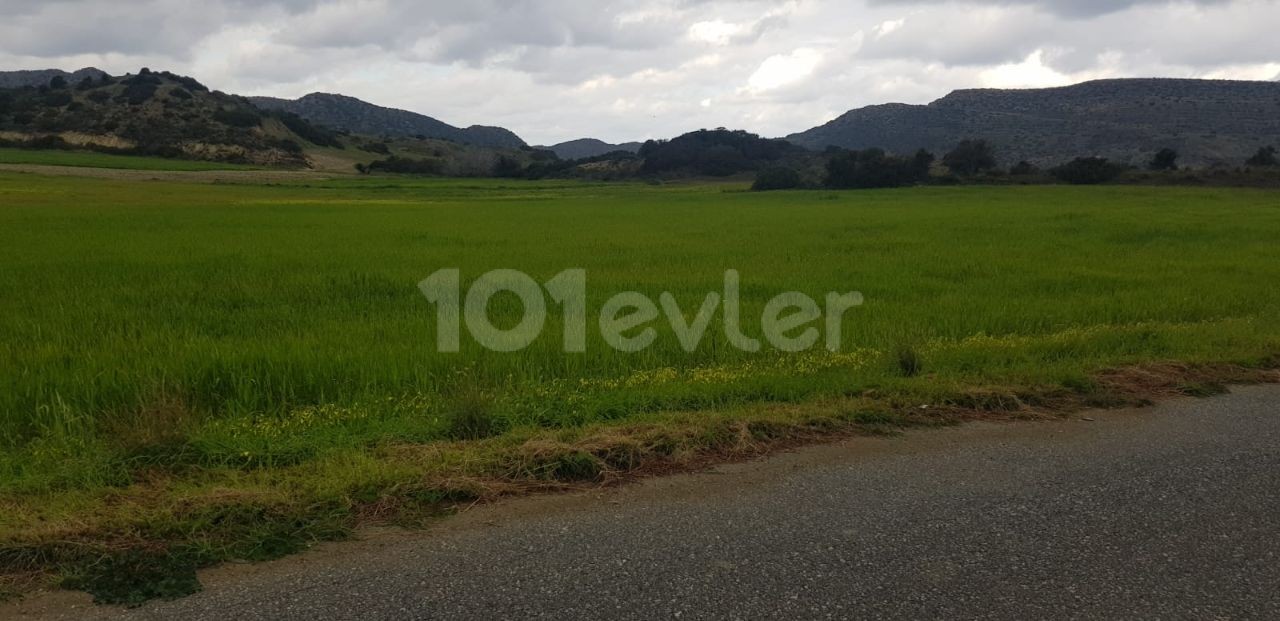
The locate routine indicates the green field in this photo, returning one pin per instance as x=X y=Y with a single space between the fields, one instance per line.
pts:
x=90 y=159
x=200 y=364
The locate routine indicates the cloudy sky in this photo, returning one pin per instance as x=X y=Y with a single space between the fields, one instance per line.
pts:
x=553 y=70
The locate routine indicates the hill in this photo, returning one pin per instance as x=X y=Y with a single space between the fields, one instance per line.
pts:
x=1208 y=121
x=361 y=117
x=154 y=113
x=715 y=153
x=42 y=77
x=590 y=147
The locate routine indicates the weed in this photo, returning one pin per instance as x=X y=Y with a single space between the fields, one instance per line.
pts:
x=910 y=363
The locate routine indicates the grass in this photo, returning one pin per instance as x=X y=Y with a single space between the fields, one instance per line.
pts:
x=91 y=159
x=208 y=372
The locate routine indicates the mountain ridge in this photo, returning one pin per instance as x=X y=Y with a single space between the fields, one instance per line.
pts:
x=590 y=147
x=354 y=115
x=1208 y=121
x=41 y=77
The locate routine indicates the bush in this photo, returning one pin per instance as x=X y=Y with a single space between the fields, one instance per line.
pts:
x=237 y=117
x=1024 y=169
x=178 y=92
x=1165 y=159
x=970 y=157
x=377 y=147
x=1265 y=156
x=507 y=168
x=872 y=168
x=57 y=99
x=137 y=93
x=778 y=178
x=407 y=166
x=1088 y=171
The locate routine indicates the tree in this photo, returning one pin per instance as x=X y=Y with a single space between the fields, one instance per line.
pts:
x=971 y=157
x=1023 y=169
x=1265 y=156
x=1165 y=159
x=921 y=163
x=1088 y=171
x=778 y=178
x=507 y=168
x=58 y=82
x=871 y=168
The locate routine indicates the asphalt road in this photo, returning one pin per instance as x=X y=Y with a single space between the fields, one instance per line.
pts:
x=1172 y=512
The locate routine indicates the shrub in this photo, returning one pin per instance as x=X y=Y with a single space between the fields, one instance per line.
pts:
x=57 y=99
x=1088 y=171
x=507 y=168
x=1165 y=159
x=777 y=178
x=910 y=363
x=1265 y=156
x=970 y=157
x=237 y=117
x=407 y=166
x=1024 y=169
x=137 y=93
x=178 y=92
x=872 y=168
x=470 y=417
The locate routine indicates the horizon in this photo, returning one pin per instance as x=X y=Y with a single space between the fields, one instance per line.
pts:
x=624 y=141
x=629 y=71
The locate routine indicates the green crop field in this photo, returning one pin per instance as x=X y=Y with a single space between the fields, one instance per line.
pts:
x=89 y=159
x=220 y=368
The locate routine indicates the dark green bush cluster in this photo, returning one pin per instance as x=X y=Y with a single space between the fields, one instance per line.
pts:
x=776 y=178
x=1088 y=171
x=407 y=166
x=873 y=168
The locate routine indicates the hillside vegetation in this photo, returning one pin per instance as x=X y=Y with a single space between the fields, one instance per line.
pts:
x=1208 y=121
x=158 y=114
x=353 y=115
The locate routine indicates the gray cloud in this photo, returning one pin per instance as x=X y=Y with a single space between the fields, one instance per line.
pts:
x=628 y=69
x=1065 y=8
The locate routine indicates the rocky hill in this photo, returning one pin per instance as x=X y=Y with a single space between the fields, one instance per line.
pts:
x=361 y=117
x=153 y=113
x=42 y=77
x=1208 y=121
x=590 y=147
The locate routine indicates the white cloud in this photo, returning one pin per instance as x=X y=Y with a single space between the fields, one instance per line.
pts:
x=887 y=27
x=1030 y=73
x=715 y=32
x=783 y=69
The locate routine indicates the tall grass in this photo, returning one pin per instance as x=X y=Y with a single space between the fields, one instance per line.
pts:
x=247 y=326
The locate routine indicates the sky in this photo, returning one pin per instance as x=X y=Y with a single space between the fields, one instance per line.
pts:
x=620 y=70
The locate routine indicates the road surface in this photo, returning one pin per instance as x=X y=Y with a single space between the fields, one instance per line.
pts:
x=1171 y=512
